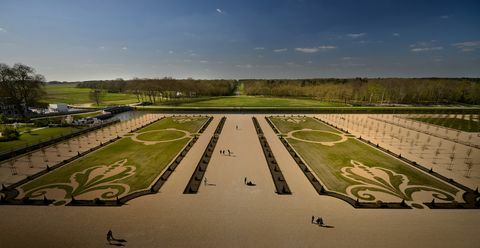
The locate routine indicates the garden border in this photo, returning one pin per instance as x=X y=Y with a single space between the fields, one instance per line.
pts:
x=277 y=175
x=199 y=172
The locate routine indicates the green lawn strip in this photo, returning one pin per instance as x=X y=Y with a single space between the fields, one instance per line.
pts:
x=161 y=135
x=316 y=136
x=327 y=161
x=286 y=126
x=258 y=101
x=36 y=136
x=192 y=126
x=149 y=160
x=454 y=123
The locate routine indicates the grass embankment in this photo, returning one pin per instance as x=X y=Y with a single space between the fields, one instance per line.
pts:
x=149 y=160
x=35 y=136
x=327 y=161
x=454 y=123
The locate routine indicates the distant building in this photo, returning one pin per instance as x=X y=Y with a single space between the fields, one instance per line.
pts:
x=8 y=109
x=57 y=107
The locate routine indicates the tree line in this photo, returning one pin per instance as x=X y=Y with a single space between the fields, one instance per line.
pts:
x=164 y=89
x=365 y=91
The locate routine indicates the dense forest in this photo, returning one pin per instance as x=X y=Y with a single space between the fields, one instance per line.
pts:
x=365 y=91
x=165 y=89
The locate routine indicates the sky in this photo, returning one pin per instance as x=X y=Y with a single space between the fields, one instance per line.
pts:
x=109 y=39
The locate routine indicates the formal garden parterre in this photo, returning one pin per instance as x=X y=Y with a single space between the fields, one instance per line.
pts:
x=129 y=165
x=349 y=167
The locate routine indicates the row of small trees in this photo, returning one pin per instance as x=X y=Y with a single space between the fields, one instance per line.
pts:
x=373 y=91
x=165 y=89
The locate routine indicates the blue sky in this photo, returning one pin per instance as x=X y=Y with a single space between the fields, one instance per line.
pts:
x=82 y=40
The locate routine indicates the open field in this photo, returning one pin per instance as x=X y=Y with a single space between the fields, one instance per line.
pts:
x=256 y=101
x=34 y=136
x=117 y=169
x=348 y=166
x=70 y=94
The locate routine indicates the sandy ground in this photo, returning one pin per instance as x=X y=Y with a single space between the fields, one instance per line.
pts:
x=231 y=214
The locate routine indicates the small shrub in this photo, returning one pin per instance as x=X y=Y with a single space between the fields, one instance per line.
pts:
x=9 y=133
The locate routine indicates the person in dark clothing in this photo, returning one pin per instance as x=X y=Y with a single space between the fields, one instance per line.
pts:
x=110 y=236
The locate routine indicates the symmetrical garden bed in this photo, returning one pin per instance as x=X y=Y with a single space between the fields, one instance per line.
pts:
x=130 y=165
x=345 y=167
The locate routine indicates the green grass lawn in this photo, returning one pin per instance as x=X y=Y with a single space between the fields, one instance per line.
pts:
x=35 y=136
x=454 y=123
x=316 y=136
x=145 y=161
x=254 y=101
x=161 y=135
x=70 y=94
x=327 y=163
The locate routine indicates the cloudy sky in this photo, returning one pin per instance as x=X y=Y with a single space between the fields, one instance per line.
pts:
x=92 y=39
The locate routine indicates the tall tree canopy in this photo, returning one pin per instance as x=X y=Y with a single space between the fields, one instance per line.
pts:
x=20 y=86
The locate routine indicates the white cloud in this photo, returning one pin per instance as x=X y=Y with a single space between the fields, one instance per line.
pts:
x=327 y=47
x=425 y=46
x=280 y=50
x=314 y=49
x=124 y=48
x=246 y=66
x=396 y=34
x=467 y=46
x=426 y=49
x=3 y=30
x=307 y=49
x=445 y=16
x=170 y=52
x=101 y=47
x=259 y=48
x=219 y=11
x=354 y=36
x=203 y=61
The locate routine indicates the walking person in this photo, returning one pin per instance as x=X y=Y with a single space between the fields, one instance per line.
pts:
x=229 y=152
x=109 y=237
x=313 y=219
x=245 y=181
x=205 y=181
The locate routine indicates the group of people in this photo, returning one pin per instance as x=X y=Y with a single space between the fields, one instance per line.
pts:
x=249 y=183
x=226 y=152
x=319 y=221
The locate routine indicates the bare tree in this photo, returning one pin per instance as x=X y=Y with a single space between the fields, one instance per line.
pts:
x=97 y=96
